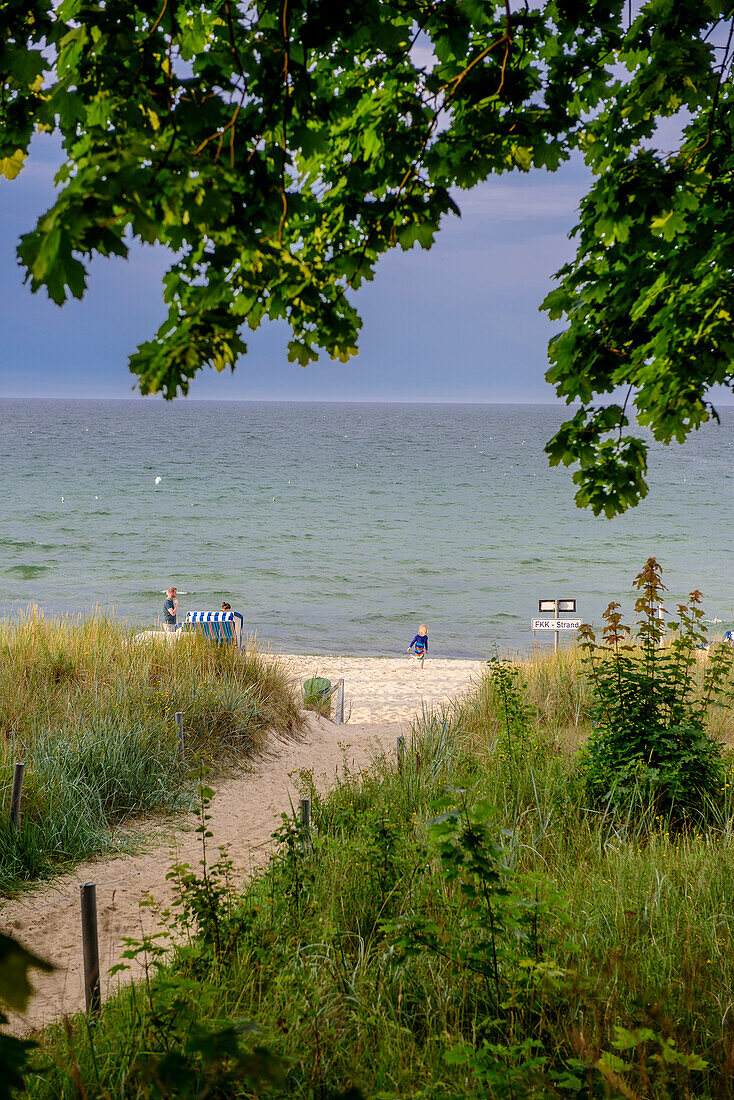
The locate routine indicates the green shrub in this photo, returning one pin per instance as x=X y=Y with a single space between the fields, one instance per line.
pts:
x=650 y=748
x=516 y=717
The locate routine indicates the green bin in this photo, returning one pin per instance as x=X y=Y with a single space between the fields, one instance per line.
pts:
x=316 y=690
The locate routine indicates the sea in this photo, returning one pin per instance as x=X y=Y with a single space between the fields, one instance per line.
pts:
x=339 y=528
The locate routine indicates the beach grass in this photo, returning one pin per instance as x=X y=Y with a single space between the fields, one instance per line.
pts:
x=549 y=950
x=559 y=689
x=91 y=714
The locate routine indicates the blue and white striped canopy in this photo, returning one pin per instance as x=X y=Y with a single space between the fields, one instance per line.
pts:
x=221 y=626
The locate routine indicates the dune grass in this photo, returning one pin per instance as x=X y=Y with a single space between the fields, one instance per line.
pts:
x=558 y=687
x=92 y=716
x=532 y=948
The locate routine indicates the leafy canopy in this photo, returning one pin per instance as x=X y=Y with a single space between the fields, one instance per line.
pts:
x=649 y=296
x=278 y=149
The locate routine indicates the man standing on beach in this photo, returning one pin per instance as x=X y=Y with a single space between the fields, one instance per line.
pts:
x=169 y=609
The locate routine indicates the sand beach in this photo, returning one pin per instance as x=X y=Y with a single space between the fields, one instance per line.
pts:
x=388 y=689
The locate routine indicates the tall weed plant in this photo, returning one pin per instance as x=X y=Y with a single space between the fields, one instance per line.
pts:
x=554 y=684
x=651 y=743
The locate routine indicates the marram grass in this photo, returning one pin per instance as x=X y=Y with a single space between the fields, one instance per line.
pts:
x=559 y=688
x=92 y=716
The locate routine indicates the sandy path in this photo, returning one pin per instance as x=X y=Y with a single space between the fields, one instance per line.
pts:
x=244 y=812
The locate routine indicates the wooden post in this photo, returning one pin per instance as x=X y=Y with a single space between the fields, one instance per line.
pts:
x=90 y=947
x=401 y=752
x=339 y=706
x=179 y=727
x=555 y=647
x=306 y=813
x=16 y=795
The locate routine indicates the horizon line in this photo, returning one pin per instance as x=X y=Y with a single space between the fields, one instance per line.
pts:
x=558 y=402
x=270 y=400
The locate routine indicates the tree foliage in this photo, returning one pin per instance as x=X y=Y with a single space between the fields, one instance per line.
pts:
x=15 y=990
x=278 y=149
x=649 y=296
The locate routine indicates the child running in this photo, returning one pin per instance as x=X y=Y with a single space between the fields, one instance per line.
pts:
x=419 y=646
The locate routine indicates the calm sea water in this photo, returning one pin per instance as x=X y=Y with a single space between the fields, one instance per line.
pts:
x=339 y=528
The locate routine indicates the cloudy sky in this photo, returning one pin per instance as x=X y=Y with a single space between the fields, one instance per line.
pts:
x=457 y=323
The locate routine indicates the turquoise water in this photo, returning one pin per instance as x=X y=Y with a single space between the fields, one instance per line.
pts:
x=339 y=528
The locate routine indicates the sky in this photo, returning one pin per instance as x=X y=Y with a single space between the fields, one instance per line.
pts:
x=459 y=322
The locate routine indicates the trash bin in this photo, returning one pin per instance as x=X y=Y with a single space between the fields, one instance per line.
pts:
x=316 y=691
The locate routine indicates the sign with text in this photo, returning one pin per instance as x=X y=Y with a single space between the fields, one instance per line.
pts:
x=555 y=624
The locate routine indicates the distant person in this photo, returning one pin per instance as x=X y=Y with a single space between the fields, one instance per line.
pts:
x=419 y=646
x=226 y=606
x=169 y=609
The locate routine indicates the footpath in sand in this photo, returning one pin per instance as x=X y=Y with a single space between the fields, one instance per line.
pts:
x=382 y=695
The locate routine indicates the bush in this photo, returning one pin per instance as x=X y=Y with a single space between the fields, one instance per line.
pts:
x=650 y=747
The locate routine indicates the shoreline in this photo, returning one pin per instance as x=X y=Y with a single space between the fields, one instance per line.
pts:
x=16 y=615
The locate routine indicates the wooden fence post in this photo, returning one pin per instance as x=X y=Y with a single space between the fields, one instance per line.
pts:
x=339 y=706
x=401 y=752
x=16 y=795
x=306 y=813
x=90 y=947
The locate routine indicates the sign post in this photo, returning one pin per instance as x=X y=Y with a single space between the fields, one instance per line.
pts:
x=556 y=624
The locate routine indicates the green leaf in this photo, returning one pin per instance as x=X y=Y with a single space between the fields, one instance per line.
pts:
x=669 y=224
x=10 y=167
x=301 y=353
x=618 y=1065
x=13 y=1061
x=15 y=964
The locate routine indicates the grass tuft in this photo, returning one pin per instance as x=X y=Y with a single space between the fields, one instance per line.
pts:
x=92 y=716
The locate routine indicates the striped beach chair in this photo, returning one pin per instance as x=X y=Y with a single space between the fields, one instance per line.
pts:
x=220 y=626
